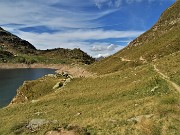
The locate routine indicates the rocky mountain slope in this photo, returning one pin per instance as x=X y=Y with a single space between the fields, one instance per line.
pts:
x=132 y=94
x=161 y=40
x=13 y=44
x=15 y=50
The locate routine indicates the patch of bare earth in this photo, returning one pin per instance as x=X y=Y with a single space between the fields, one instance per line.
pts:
x=75 y=71
x=125 y=59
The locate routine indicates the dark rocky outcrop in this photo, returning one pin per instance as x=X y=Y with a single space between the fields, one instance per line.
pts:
x=17 y=46
x=14 y=44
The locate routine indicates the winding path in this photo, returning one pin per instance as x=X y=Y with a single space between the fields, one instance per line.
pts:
x=176 y=86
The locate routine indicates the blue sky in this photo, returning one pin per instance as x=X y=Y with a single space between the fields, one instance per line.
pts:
x=98 y=27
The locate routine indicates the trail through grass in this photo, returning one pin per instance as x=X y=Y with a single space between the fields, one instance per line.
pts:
x=176 y=86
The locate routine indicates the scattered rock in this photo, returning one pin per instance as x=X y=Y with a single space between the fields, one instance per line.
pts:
x=153 y=90
x=51 y=75
x=34 y=124
x=65 y=73
x=78 y=114
x=124 y=59
x=68 y=80
x=143 y=60
x=135 y=104
x=139 y=118
x=58 y=85
x=38 y=113
x=34 y=101
x=70 y=76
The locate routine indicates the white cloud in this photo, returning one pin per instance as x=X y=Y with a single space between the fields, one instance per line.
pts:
x=102 y=55
x=76 y=35
x=34 y=13
x=110 y=3
x=104 y=47
x=114 y=3
x=117 y=3
x=77 y=39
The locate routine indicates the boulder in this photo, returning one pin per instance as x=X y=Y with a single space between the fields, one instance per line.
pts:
x=68 y=80
x=58 y=85
x=65 y=73
x=34 y=101
x=51 y=75
x=34 y=124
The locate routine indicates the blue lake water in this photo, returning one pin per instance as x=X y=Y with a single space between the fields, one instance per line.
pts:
x=12 y=79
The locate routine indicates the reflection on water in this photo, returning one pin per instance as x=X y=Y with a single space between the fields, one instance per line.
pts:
x=11 y=79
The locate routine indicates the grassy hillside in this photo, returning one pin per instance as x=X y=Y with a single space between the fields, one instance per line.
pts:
x=170 y=66
x=161 y=40
x=137 y=92
x=103 y=105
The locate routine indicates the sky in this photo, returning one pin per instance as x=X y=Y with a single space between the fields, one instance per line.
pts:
x=98 y=27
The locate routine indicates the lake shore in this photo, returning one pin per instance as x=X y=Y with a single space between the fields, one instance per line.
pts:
x=75 y=70
x=21 y=65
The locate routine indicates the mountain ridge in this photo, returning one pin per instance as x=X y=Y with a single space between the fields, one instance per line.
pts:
x=159 y=41
x=24 y=52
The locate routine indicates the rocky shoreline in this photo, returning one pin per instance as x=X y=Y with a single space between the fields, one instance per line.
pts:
x=75 y=70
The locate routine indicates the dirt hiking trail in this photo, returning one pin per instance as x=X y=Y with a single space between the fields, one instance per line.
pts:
x=176 y=86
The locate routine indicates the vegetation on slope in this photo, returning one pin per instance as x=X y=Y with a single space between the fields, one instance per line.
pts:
x=161 y=40
x=131 y=96
x=104 y=105
x=170 y=66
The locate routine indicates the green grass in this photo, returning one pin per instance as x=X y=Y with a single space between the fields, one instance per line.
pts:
x=32 y=90
x=152 y=45
x=105 y=104
x=170 y=66
x=30 y=59
x=122 y=90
